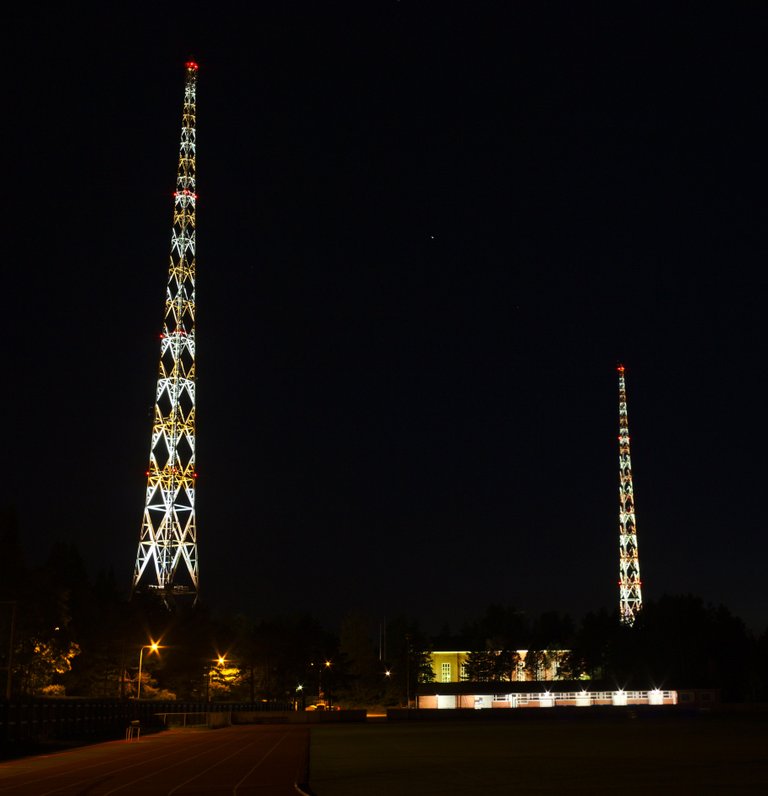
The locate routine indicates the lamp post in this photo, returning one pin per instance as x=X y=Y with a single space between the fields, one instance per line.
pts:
x=328 y=700
x=326 y=665
x=220 y=661
x=408 y=670
x=153 y=647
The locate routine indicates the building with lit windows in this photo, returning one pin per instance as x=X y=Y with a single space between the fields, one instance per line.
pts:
x=450 y=666
x=533 y=682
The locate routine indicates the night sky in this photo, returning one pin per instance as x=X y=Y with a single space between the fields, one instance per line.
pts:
x=426 y=237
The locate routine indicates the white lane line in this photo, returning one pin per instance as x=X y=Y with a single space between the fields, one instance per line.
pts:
x=57 y=773
x=268 y=753
x=149 y=760
x=218 y=762
x=175 y=765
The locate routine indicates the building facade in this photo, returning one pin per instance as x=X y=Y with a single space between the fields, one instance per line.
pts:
x=451 y=666
x=529 y=679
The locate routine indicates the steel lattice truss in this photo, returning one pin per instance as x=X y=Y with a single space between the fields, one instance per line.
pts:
x=168 y=536
x=630 y=594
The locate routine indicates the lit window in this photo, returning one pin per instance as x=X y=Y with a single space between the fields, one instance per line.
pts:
x=445 y=672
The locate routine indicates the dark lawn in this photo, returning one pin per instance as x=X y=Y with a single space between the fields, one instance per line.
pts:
x=704 y=754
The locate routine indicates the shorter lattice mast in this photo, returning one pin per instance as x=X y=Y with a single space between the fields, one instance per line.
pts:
x=630 y=594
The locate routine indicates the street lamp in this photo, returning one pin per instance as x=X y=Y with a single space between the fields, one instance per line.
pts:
x=220 y=661
x=326 y=665
x=153 y=647
x=408 y=670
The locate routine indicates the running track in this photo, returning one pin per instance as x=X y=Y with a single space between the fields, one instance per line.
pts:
x=237 y=761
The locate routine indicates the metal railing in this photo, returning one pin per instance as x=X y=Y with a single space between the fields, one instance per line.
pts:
x=83 y=719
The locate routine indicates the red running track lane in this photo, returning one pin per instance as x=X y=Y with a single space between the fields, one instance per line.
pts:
x=237 y=761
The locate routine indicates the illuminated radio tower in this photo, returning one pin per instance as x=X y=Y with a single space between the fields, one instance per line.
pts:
x=630 y=595
x=166 y=563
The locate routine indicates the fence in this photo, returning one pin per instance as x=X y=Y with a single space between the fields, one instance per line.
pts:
x=83 y=719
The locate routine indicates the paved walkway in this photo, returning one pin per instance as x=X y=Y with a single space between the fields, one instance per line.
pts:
x=237 y=761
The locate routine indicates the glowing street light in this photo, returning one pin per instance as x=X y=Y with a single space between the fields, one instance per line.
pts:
x=326 y=665
x=220 y=661
x=153 y=647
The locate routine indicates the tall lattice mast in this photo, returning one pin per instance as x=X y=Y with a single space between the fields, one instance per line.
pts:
x=168 y=536
x=630 y=594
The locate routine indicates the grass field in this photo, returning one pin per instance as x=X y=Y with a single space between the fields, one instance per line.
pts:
x=630 y=754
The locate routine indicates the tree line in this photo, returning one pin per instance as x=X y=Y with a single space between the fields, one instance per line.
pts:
x=63 y=633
